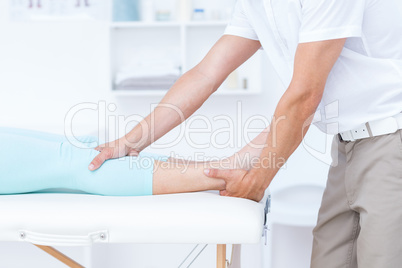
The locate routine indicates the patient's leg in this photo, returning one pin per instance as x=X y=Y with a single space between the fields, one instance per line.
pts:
x=30 y=162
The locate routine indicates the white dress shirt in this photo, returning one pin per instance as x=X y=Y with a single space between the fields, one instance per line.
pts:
x=365 y=83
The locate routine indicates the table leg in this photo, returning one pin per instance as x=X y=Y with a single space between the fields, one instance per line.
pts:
x=60 y=256
x=221 y=256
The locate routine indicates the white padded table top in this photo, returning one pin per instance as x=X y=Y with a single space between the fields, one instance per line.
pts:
x=81 y=219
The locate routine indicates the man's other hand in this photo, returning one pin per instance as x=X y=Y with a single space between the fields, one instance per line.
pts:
x=111 y=150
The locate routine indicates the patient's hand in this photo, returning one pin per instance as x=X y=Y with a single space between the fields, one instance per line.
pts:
x=116 y=149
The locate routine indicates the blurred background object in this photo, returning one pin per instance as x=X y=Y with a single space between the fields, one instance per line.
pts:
x=43 y=10
x=126 y=10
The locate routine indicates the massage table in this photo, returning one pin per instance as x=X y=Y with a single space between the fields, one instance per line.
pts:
x=65 y=219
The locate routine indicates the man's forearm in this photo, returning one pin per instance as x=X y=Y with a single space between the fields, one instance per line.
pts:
x=292 y=119
x=182 y=100
x=245 y=158
x=293 y=115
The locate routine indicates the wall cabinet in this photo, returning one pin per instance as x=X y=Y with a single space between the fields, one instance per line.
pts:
x=146 y=56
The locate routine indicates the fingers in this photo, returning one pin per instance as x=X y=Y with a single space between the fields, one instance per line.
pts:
x=238 y=184
x=223 y=193
x=133 y=153
x=218 y=173
x=100 y=147
x=259 y=197
x=104 y=155
x=225 y=174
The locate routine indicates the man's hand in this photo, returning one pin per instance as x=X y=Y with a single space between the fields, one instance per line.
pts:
x=116 y=149
x=239 y=183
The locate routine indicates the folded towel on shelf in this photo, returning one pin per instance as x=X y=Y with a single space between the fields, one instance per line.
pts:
x=156 y=76
x=147 y=83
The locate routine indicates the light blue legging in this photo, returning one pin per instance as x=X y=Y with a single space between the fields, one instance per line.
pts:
x=32 y=161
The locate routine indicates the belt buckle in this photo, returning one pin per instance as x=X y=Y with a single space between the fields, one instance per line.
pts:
x=347 y=136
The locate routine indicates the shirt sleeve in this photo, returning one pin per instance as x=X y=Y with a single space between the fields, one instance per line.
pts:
x=239 y=24
x=331 y=19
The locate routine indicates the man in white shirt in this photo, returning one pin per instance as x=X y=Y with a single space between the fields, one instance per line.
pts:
x=342 y=61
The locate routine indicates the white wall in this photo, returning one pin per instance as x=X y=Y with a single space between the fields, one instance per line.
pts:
x=47 y=68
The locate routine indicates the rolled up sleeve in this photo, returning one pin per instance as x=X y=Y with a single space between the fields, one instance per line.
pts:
x=331 y=19
x=239 y=24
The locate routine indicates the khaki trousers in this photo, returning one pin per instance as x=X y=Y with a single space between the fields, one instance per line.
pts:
x=360 y=219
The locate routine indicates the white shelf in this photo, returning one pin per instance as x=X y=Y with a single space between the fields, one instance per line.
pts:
x=206 y=23
x=160 y=93
x=138 y=93
x=140 y=24
x=162 y=24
